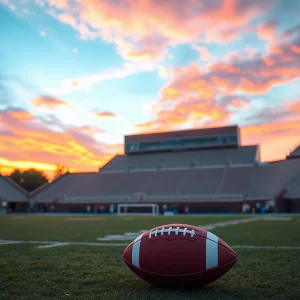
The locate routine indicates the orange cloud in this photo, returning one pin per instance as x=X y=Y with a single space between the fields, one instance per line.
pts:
x=61 y=4
x=33 y=143
x=90 y=130
x=295 y=49
x=183 y=112
x=67 y=19
x=277 y=138
x=20 y=114
x=277 y=131
x=131 y=24
x=105 y=114
x=267 y=31
x=49 y=102
x=210 y=97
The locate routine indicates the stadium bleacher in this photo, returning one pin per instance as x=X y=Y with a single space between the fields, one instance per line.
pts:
x=207 y=180
x=203 y=157
x=268 y=180
x=237 y=180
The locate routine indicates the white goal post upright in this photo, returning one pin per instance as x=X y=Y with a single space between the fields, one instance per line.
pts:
x=123 y=209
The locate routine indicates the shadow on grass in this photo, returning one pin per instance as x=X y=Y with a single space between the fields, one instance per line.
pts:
x=209 y=291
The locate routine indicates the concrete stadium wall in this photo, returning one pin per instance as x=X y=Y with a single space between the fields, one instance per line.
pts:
x=193 y=207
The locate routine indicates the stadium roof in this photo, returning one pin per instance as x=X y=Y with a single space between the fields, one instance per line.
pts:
x=295 y=153
x=182 y=133
x=10 y=191
x=203 y=157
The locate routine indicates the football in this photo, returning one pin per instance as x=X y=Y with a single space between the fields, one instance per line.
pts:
x=179 y=254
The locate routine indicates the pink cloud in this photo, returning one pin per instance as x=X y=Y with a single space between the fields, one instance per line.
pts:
x=137 y=29
x=49 y=102
x=267 y=31
x=105 y=114
x=206 y=97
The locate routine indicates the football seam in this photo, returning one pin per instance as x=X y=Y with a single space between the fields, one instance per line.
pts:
x=199 y=236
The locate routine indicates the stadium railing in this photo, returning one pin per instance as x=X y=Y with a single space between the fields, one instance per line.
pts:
x=153 y=198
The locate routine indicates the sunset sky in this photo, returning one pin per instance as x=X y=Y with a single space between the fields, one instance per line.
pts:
x=76 y=76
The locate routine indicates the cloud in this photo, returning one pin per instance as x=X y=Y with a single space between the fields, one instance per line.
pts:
x=201 y=112
x=105 y=114
x=205 y=55
x=49 y=102
x=142 y=31
x=226 y=89
x=90 y=130
x=295 y=49
x=277 y=130
x=235 y=101
x=163 y=72
x=267 y=31
x=71 y=85
x=75 y=147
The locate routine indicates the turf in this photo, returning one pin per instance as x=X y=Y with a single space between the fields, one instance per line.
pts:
x=89 y=272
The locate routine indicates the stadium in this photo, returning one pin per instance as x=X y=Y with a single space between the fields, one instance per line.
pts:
x=182 y=172
x=65 y=240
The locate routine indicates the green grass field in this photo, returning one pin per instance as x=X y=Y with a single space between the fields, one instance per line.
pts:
x=88 y=271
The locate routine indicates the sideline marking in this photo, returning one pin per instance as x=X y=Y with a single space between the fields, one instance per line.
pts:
x=277 y=218
x=129 y=236
x=54 y=245
x=228 y=223
x=10 y=242
x=4 y=242
x=267 y=247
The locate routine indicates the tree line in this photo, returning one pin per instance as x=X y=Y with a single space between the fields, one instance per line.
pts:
x=31 y=179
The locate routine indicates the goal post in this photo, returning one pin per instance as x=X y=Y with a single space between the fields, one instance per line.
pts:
x=138 y=209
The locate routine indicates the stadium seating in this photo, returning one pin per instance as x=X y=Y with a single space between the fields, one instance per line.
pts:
x=77 y=184
x=242 y=155
x=268 y=180
x=203 y=181
x=165 y=182
x=124 y=183
x=211 y=175
x=236 y=180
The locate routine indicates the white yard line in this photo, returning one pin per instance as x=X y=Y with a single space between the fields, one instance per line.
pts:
x=228 y=223
x=129 y=236
x=266 y=247
x=277 y=218
x=48 y=244
x=4 y=242
x=54 y=245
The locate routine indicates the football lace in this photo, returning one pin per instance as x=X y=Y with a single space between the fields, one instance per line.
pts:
x=170 y=230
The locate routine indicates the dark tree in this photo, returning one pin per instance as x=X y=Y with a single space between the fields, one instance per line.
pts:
x=16 y=176
x=29 y=179
x=60 y=170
